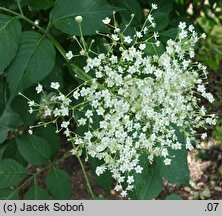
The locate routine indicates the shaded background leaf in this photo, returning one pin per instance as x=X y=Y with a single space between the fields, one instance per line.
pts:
x=10 y=33
x=59 y=184
x=64 y=13
x=34 y=61
x=34 y=149
x=11 y=173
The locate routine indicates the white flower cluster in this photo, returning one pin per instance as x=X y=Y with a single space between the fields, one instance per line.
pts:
x=136 y=103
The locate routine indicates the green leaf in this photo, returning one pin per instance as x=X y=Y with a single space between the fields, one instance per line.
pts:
x=11 y=173
x=50 y=135
x=170 y=33
x=20 y=106
x=152 y=49
x=178 y=171
x=36 y=193
x=148 y=184
x=11 y=152
x=8 y=121
x=9 y=194
x=10 y=33
x=105 y=180
x=34 y=149
x=163 y=5
x=39 y=4
x=173 y=197
x=93 y=12
x=59 y=184
x=34 y=61
x=3 y=94
x=162 y=20
x=129 y=7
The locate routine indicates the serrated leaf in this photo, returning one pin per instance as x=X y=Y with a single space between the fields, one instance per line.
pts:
x=148 y=184
x=34 y=61
x=9 y=194
x=34 y=149
x=59 y=184
x=36 y=193
x=64 y=13
x=10 y=33
x=11 y=173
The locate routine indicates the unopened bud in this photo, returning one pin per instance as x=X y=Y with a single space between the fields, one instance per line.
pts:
x=78 y=19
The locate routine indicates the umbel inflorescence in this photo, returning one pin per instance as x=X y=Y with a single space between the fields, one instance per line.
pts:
x=134 y=103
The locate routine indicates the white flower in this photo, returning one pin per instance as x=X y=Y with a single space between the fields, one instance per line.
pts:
x=106 y=21
x=142 y=46
x=154 y=6
x=31 y=103
x=38 y=88
x=100 y=170
x=55 y=85
x=191 y=28
x=203 y=36
x=139 y=34
x=116 y=30
x=155 y=35
x=30 y=131
x=123 y=193
x=76 y=94
x=89 y=113
x=73 y=151
x=56 y=112
x=128 y=39
x=182 y=25
x=65 y=124
x=47 y=112
x=64 y=111
x=67 y=132
x=138 y=169
x=118 y=188
x=115 y=37
x=167 y=161
x=82 y=121
x=130 y=179
x=69 y=55
x=203 y=136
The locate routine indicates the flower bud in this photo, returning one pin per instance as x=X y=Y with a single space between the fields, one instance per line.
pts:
x=78 y=19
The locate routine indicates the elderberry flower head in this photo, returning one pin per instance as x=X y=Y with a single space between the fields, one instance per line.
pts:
x=135 y=103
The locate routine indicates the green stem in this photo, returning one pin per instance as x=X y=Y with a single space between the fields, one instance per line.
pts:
x=48 y=35
x=83 y=170
x=20 y=8
x=86 y=177
x=42 y=170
